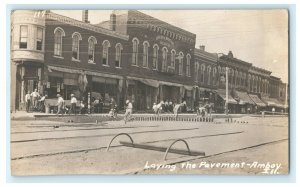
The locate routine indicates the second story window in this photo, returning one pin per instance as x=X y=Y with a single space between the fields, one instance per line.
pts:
x=188 y=65
x=173 y=57
x=135 y=51
x=118 y=55
x=23 y=36
x=39 y=39
x=106 y=45
x=208 y=75
x=75 y=45
x=91 y=50
x=164 y=59
x=145 y=54
x=202 y=73
x=196 y=71
x=214 y=76
x=155 y=57
x=58 y=34
x=180 y=63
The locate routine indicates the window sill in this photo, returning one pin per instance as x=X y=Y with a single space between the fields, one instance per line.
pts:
x=118 y=67
x=60 y=57
x=134 y=65
x=90 y=62
x=75 y=60
x=145 y=67
x=105 y=65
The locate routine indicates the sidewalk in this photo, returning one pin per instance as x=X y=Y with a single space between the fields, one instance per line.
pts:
x=23 y=115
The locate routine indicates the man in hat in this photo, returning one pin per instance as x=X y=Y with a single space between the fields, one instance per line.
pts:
x=35 y=96
x=128 y=111
x=73 y=104
x=60 y=104
x=27 y=101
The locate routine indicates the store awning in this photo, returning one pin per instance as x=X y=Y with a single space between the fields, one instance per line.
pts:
x=189 y=88
x=222 y=94
x=273 y=102
x=170 y=84
x=257 y=101
x=70 y=70
x=243 y=98
x=149 y=82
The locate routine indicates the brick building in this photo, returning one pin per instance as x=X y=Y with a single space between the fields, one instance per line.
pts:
x=131 y=56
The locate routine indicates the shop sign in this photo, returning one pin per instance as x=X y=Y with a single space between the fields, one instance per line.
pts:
x=165 y=41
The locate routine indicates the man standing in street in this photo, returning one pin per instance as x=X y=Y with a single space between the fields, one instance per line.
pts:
x=73 y=104
x=128 y=112
x=176 y=108
x=27 y=101
x=60 y=104
x=35 y=96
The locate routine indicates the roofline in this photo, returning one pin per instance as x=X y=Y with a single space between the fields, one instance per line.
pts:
x=166 y=24
x=88 y=26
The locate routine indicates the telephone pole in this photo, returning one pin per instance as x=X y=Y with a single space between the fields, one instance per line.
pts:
x=226 y=102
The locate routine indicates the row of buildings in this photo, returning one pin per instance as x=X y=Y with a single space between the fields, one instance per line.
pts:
x=131 y=56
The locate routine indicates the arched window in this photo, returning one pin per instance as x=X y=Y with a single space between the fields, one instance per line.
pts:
x=208 y=75
x=231 y=78
x=202 y=73
x=119 y=49
x=145 y=54
x=135 y=51
x=105 y=45
x=173 y=57
x=76 y=37
x=180 y=65
x=58 y=34
x=164 y=59
x=91 y=50
x=236 y=78
x=249 y=83
x=214 y=76
x=188 y=65
x=196 y=71
x=155 y=57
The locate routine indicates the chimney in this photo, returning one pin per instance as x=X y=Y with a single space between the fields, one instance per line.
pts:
x=230 y=54
x=202 y=47
x=85 y=16
x=113 y=21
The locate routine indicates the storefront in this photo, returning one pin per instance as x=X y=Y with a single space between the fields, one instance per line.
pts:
x=245 y=104
x=220 y=103
x=28 y=78
x=259 y=104
x=142 y=92
x=274 y=103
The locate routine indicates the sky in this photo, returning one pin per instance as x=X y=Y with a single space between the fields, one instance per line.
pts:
x=259 y=37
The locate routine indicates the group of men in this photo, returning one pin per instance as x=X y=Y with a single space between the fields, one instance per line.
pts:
x=167 y=107
x=34 y=101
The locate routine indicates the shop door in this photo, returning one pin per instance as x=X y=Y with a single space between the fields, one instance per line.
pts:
x=30 y=85
x=141 y=99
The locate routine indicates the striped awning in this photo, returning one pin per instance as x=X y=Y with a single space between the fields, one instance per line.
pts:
x=243 y=98
x=222 y=94
x=257 y=101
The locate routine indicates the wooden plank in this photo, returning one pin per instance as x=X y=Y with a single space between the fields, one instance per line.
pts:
x=163 y=149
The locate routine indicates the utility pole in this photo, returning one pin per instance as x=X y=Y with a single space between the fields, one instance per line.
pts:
x=286 y=98
x=226 y=102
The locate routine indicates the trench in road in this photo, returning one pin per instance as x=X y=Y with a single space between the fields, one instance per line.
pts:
x=115 y=146
x=85 y=129
x=89 y=136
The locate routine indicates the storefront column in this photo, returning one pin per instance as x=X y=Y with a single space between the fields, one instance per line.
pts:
x=22 y=84
x=13 y=88
x=160 y=93
x=40 y=87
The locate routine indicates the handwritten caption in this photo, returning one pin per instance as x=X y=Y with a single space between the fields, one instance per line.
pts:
x=266 y=168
